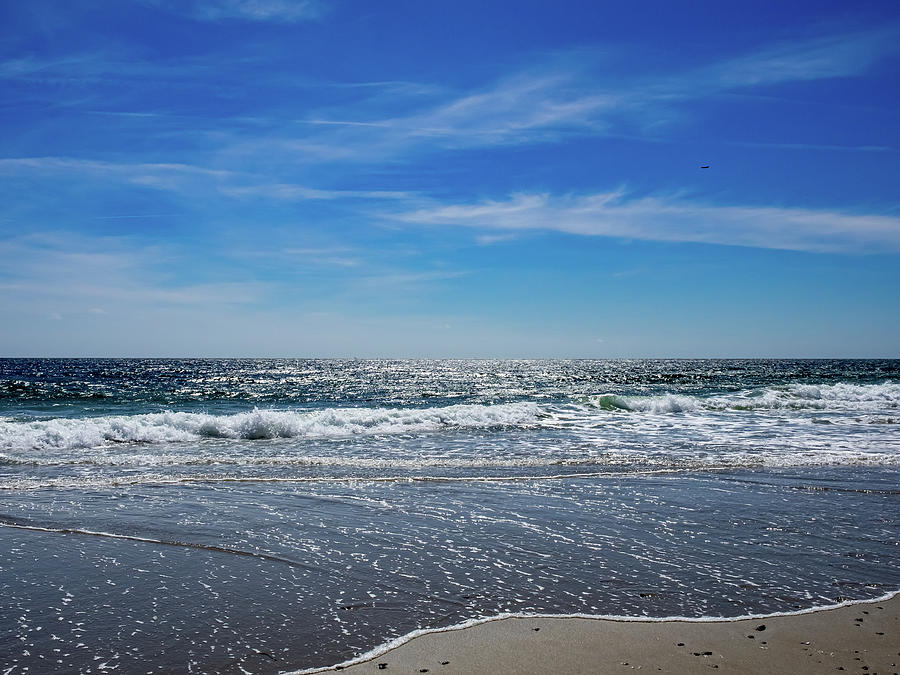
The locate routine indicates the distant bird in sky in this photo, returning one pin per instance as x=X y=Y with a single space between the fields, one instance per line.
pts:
x=705 y=166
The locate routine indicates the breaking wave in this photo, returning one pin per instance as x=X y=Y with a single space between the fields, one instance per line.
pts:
x=873 y=404
x=174 y=427
x=839 y=397
x=651 y=404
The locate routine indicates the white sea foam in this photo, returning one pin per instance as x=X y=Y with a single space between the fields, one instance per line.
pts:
x=173 y=427
x=160 y=478
x=146 y=460
x=626 y=462
x=840 y=397
x=669 y=403
x=607 y=429
x=95 y=482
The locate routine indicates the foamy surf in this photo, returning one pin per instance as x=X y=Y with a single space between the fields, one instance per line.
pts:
x=179 y=427
x=839 y=397
x=877 y=401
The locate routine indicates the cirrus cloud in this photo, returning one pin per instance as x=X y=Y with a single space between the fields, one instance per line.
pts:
x=655 y=218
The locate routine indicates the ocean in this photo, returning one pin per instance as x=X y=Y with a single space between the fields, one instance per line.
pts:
x=266 y=516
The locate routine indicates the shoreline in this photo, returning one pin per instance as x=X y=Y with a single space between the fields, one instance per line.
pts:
x=861 y=636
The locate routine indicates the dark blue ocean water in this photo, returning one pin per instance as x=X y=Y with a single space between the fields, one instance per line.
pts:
x=269 y=515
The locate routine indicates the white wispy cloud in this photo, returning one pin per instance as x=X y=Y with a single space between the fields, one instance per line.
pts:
x=817 y=58
x=570 y=94
x=391 y=280
x=615 y=214
x=184 y=178
x=281 y=11
x=292 y=192
x=187 y=180
x=146 y=171
x=532 y=106
x=815 y=146
x=573 y=96
x=325 y=257
x=63 y=271
x=488 y=239
x=115 y=67
x=512 y=107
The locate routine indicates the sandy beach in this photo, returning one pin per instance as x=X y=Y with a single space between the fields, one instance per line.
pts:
x=859 y=638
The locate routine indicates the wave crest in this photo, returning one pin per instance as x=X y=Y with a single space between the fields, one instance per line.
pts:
x=826 y=397
x=653 y=404
x=173 y=427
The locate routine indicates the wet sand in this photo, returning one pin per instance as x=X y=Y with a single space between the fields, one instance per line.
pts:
x=862 y=638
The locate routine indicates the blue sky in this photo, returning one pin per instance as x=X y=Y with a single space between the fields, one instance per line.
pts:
x=460 y=179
